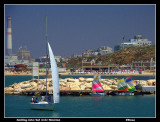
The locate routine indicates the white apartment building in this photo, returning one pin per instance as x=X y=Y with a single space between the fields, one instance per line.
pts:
x=137 y=41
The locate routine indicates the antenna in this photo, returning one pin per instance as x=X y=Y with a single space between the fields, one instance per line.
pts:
x=46 y=30
x=123 y=41
x=46 y=57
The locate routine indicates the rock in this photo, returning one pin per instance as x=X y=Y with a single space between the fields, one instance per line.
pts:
x=39 y=87
x=150 y=82
x=9 y=93
x=70 y=80
x=81 y=79
x=16 y=93
x=114 y=83
x=33 y=84
x=105 y=81
x=62 y=84
x=144 y=83
x=50 y=84
x=105 y=87
x=17 y=89
x=113 y=86
x=134 y=83
x=76 y=80
x=62 y=80
x=111 y=81
x=9 y=89
x=64 y=88
x=65 y=80
x=101 y=80
x=82 y=86
x=88 y=84
x=69 y=83
x=89 y=79
x=23 y=86
x=77 y=83
x=26 y=82
x=34 y=88
x=28 y=89
x=40 y=83
x=108 y=83
x=35 y=80
x=49 y=88
x=75 y=88
x=88 y=88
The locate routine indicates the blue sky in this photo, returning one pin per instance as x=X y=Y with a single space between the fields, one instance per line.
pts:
x=72 y=29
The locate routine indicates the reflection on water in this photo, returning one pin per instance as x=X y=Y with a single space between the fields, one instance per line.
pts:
x=97 y=98
x=55 y=114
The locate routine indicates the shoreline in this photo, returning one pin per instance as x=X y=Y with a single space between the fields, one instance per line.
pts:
x=90 y=74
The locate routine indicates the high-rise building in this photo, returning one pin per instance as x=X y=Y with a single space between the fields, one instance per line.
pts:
x=9 y=37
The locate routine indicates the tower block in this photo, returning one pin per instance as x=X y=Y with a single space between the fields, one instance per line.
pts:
x=9 y=37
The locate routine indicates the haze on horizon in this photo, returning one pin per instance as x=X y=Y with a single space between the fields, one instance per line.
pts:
x=73 y=29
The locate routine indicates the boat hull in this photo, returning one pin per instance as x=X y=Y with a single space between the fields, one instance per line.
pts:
x=97 y=94
x=42 y=106
x=124 y=94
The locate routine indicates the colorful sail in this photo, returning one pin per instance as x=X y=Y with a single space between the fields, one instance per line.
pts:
x=96 y=85
x=122 y=85
x=129 y=84
x=55 y=76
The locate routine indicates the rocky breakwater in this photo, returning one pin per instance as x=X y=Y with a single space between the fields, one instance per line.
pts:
x=65 y=84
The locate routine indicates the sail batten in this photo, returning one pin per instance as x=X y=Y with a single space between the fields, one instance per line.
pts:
x=55 y=76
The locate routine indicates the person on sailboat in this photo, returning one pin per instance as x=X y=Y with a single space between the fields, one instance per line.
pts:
x=36 y=101
x=43 y=98
x=32 y=100
x=49 y=98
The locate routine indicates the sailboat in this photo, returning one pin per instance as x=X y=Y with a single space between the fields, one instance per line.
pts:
x=97 y=89
x=46 y=103
x=125 y=87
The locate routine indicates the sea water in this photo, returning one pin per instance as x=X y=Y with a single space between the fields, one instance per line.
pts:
x=85 y=106
x=81 y=106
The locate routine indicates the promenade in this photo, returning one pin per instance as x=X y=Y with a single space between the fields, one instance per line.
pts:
x=84 y=74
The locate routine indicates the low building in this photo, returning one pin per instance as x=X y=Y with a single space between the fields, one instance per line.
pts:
x=77 y=56
x=11 y=60
x=44 y=59
x=144 y=65
x=100 y=51
x=23 y=54
x=58 y=58
x=136 y=41
x=87 y=53
x=104 y=50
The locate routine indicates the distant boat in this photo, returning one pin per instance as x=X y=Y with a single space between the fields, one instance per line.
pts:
x=97 y=89
x=46 y=103
x=125 y=87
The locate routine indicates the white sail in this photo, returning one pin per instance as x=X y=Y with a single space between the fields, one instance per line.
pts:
x=55 y=76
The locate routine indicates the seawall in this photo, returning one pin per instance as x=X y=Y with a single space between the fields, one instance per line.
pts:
x=67 y=86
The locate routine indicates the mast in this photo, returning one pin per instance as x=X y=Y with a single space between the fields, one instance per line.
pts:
x=46 y=56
